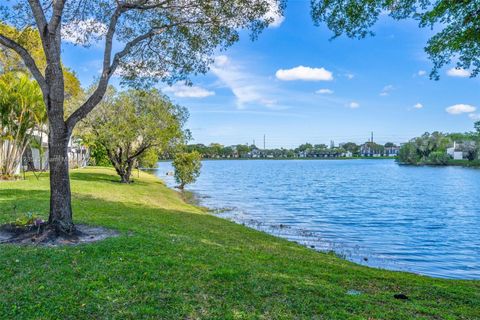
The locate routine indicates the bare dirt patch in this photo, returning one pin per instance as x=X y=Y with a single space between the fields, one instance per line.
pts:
x=40 y=236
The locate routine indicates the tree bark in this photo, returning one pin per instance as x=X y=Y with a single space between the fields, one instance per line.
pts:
x=28 y=159
x=60 y=194
x=125 y=171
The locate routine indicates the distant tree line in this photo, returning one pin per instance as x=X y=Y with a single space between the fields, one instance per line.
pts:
x=439 y=148
x=306 y=150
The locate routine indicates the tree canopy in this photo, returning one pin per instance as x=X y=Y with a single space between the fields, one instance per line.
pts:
x=135 y=125
x=457 y=23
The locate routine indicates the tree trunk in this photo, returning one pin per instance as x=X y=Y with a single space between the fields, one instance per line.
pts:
x=28 y=159
x=124 y=170
x=60 y=195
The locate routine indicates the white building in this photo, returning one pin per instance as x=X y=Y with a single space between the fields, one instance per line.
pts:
x=455 y=152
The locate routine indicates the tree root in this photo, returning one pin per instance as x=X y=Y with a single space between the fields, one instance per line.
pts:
x=50 y=235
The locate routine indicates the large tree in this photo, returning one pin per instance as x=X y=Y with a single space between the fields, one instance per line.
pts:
x=134 y=124
x=163 y=39
x=457 y=23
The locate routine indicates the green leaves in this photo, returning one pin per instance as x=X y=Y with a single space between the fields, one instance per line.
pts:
x=22 y=110
x=457 y=21
x=135 y=125
x=187 y=167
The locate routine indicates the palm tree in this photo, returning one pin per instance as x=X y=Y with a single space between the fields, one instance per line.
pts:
x=22 y=111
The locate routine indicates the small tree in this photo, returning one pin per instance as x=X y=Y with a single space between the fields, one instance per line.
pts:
x=135 y=124
x=187 y=168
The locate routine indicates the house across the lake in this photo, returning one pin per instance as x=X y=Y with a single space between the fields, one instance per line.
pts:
x=462 y=150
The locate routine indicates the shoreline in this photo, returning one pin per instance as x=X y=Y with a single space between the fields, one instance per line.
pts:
x=291 y=159
x=304 y=237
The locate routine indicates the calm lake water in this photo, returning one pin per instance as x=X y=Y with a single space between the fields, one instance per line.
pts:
x=424 y=220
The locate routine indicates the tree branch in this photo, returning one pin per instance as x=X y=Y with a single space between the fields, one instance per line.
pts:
x=27 y=59
x=56 y=16
x=110 y=66
x=39 y=16
x=141 y=150
x=107 y=73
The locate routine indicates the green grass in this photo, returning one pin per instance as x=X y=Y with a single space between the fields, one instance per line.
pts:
x=465 y=163
x=174 y=261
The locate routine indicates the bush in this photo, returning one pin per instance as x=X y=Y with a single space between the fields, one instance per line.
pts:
x=438 y=158
x=187 y=167
x=99 y=156
x=408 y=154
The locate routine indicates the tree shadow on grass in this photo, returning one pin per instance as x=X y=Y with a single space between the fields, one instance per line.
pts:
x=86 y=208
x=96 y=177
x=93 y=176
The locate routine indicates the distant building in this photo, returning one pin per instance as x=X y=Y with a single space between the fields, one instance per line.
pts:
x=36 y=157
x=370 y=149
x=459 y=151
x=391 y=151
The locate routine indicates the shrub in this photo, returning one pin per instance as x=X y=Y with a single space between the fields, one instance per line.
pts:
x=187 y=167
x=438 y=158
x=408 y=154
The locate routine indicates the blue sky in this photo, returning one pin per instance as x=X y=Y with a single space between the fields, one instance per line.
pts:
x=295 y=85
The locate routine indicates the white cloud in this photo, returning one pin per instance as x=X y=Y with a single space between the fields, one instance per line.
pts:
x=474 y=116
x=275 y=14
x=181 y=90
x=458 y=72
x=354 y=105
x=350 y=76
x=304 y=73
x=83 y=32
x=461 y=108
x=246 y=88
x=324 y=91
x=422 y=73
x=386 y=90
x=418 y=105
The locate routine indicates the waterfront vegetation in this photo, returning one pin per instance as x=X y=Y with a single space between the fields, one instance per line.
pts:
x=440 y=148
x=175 y=261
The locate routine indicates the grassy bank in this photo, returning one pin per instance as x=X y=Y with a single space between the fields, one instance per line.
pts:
x=465 y=163
x=173 y=261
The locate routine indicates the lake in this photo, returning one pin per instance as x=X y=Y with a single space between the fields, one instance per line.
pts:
x=424 y=220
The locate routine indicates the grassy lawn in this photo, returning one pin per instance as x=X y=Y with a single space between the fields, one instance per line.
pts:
x=174 y=261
